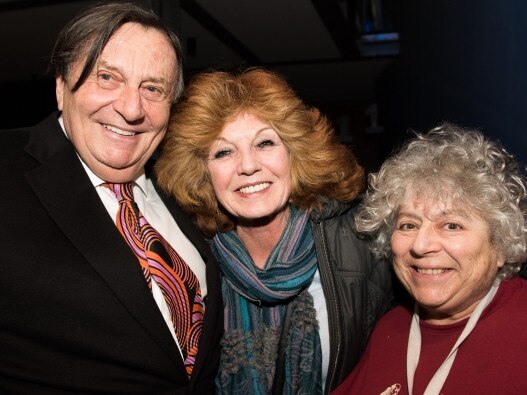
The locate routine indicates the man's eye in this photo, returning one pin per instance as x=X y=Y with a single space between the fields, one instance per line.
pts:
x=106 y=77
x=152 y=92
x=453 y=226
x=153 y=89
x=107 y=80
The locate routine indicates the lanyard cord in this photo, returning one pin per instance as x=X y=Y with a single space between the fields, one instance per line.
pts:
x=414 y=346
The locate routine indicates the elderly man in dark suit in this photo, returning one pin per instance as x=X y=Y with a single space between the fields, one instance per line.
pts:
x=106 y=286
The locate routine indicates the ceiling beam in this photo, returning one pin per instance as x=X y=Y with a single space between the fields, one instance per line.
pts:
x=214 y=27
x=341 y=30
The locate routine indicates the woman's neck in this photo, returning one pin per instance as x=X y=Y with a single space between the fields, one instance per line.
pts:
x=260 y=238
x=439 y=317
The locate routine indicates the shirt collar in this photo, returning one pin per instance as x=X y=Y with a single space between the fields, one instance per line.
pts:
x=97 y=181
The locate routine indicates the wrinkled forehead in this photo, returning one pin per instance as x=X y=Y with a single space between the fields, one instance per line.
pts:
x=436 y=198
x=129 y=37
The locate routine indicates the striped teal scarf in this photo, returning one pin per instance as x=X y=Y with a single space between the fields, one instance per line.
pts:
x=255 y=302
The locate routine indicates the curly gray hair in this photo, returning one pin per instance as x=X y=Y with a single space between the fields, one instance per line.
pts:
x=460 y=164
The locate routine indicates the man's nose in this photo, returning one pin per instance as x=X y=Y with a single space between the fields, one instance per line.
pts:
x=130 y=104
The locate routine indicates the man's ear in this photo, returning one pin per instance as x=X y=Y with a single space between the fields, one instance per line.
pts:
x=60 y=87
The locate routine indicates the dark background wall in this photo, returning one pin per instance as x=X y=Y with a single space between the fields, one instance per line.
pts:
x=462 y=61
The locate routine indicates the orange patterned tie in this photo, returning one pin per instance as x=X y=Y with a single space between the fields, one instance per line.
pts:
x=161 y=262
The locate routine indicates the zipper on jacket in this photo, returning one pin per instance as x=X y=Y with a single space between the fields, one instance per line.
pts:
x=327 y=276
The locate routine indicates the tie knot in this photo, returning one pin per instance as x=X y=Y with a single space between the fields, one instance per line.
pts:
x=121 y=191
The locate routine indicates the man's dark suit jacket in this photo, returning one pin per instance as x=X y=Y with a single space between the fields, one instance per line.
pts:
x=76 y=315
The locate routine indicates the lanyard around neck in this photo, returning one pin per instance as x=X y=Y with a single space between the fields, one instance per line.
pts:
x=414 y=347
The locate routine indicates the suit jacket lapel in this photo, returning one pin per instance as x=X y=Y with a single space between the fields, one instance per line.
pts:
x=66 y=192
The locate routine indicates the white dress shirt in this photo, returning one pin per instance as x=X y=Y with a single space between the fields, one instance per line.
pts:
x=157 y=215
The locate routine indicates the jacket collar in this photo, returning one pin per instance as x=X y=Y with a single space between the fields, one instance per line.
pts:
x=330 y=209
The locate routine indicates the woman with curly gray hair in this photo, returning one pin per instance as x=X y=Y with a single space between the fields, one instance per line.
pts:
x=449 y=209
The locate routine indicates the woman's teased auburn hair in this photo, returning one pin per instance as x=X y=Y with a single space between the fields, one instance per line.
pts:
x=320 y=165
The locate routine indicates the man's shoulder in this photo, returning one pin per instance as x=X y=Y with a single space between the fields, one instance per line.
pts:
x=14 y=142
x=15 y=130
x=14 y=139
x=20 y=132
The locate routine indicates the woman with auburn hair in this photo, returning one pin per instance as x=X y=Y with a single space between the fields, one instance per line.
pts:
x=267 y=181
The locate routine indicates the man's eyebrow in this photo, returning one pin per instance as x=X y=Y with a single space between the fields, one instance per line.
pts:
x=155 y=80
x=107 y=65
